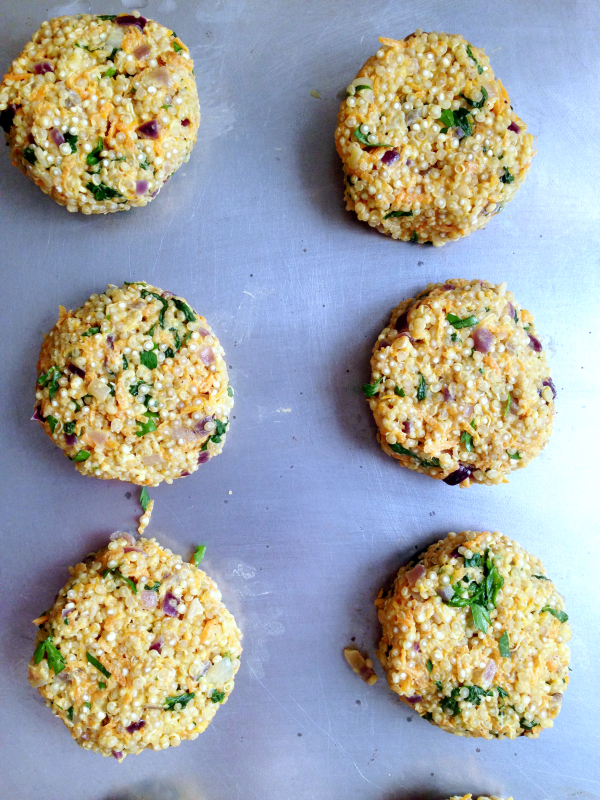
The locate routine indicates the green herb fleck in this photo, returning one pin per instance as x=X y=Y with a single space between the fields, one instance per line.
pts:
x=220 y=428
x=455 y=337
x=177 y=47
x=400 y=392
x=71 y=140
x=230 y=391
x=429 y=666
x=181 y=700
x=149 y=359
x=479 y=104
x=414 y=237
x=450 y=704
x=516 y=318
x=439 y=685
x=479 y=595
x=146 y=427
x=82 y=455
x=94 y=157
x=69 y=427
x=516 y=456
x=198 y=555
x=504 y=645
x=501 y=692
x=152 y=588
x=473 y=425
x=362 y=138
x=114 y=52
x=474 y=561
x=561 y=616
x=101 y=685
x=459 y=323
x=370 y=389
x=217 y=697
x=397 y=448
x=145 y=164
x=421 y=388
x=165 y=304
x=118 y=574
x=472 y=57
x=527 y=725
x=102 y=191
x=133 y=389
x=467 y=440
x=476 y=693
x=91 y=331
x=428 y=716
x=541 y=577
x=459 y=118
x=186 y=310
x=52 y=422
x=95 y=663
x=46 y=648
x=399 y=214
x=507 y=177
x=125 y=363
x=70 y=713
x=144 y=499
x=29 y=155
x=109 y=17
x=507 y=406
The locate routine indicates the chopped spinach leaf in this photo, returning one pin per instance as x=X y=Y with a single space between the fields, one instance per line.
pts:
x=421 y=388
x=47 y=648
x=414 y=237
x=125 y=363
x=472 y=57
x=455 y=337
x=397 y=448
x=439 y=685
x=69 y=428
x=467 y=440
x=177 y=47
x=473 y=425
x=481 y=617
x=561 y=616
x=52 y=422
x=133 y=389
x=198 y=555
x=399 y=214
x=217 y=697
x=146 y=427
x=527 y=725
x=429 y=666
x=177 y=338
x=181 y=700
x=152 y=588
x=459 y=119
x=459 y=323
x=101 y=685
x=186 y=310
x=541 y=577
x=504 y=645
x=144 y=499
x=230 y=391
x=109 y=17
x=82 y=455
x=516 y=455
x=450 y=704
x=362 y=138
x=70 y=713
x=400 y=392
x=95 y=663
x=428 y=716
x=476 y=693
x=71 y=140
x=507 y=177
x=370 y=389
x=474 y=561
x=165 y=304
x=501 y=692
x=102 y=191
x=149 y=359
x=114 y=52
x=29 y=155
x=478 y=104
x=94 y=157
x=91 y=331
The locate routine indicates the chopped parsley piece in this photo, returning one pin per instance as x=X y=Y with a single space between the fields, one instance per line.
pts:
x=177 y=47
x=459 y=323
x=69 y=427
x=198 y=555
x=455 y=337
x=145 y=164
x=186 y=310
x=149 y=359
x=220 y=428
x=52 y=422
x=29 y=155
x=474 y=561
x=428 y=716
x=362 y=138
x=414 y=237
x=49 y=377
x=230 y=391
x=370 y=389
x=421 y=388
x=46 y=648
x=516 y=455
x=154 y=588
x=146 y=427
x=144 y=499
x=177 y=339
x=397 y=448
x=504 y=645
x=439 y=685
x=133 y=389
x=459 y=119
x=125 y=363
x=362 y=86
x=450 y=704
x=71 y=140
x=473 y=425
x=507 y=177
x=472 y=57
x=70 y=713
x=400 y=392
x=95 y=663
x=102 y=191
x=476 y=693
x=479 y=595
x=118 y=574
x=561 y=616
x=479 y=104
x=541 y=577
x=101 y=685
x=94 y=157
x=165 y=304
x=114 y=52
x=501 y=692
x=507 y=406
x=429 y=666
x=399 y=214
x=91 y=331
x=527 y=725
x=181 y=700
x=82 y=455
x=217 y=697
x=467 y=440
x=107 y=16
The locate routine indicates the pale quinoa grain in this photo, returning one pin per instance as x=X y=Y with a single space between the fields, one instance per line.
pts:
x=474 y=638
x=430 y=145
x=141 y=650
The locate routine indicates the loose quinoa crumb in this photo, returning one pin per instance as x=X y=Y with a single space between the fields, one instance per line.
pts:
x=136 y=628
x=430 y=145
x=100 y=113
x=504 y=682
x=460 y=386
x=133 y=385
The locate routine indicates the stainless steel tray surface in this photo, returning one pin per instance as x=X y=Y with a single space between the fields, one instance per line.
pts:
x=303 y=515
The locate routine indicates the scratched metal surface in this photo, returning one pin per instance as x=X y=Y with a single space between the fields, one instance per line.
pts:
x=303 y=516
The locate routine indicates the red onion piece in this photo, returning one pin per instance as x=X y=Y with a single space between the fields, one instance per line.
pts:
x=143 y=51
x=535 y=343
x=204 y=332
x=416 y=698
x=42 y=67
x=448 y=396
x=161 y=75
x=76 y=371
x=406 y=427
x=185 y=122
x=549 y=382
x=70 y=439
x=141 y=187
x=487 y=676
x=207 y=356
x=169 y=605
x=455 y=553
x=155 y=193
x=203 y=457
x=65 y=612
x=483 y=339
x=153 y=460
x=402 y=323
x=468 y=410
x=129 y=19
x=7 y=117
x=416 y=647
x=57 y=137
x=157 y=645
x=390 y=157
x=148 y=129
x=446 y=593
x=414 y=574
x=118 y=754
x=409 y=162
x=510 y=310
x=110 y=341
x=36 y=415
x=459 y=133
x=99 y=438
x=382 y=344
x=149 y=599
x=448 y=286
x=200 y=426
x=131 y=549
x=135 y=726
x=458 y=476
x=514 y=127
x=184 y=474
x=180 y=431
x=122 y=535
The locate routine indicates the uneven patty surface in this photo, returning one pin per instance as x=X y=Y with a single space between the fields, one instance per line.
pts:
x=133 y=385
x=430 y=146
x=460 y=386
x=138 y=650
x=474 y=638
x=101 y=110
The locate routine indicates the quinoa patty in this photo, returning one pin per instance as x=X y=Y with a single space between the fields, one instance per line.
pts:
x=460 y=386
x=101 y=110
x=469 y=796
x=138 y=650
x=430 y=145
x=474 y=637
x=133 y=385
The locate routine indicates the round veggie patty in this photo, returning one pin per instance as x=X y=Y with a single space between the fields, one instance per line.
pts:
x=138 y=650
x=474 y=638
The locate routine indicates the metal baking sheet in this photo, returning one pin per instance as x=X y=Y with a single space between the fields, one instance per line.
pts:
x=304 y=517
